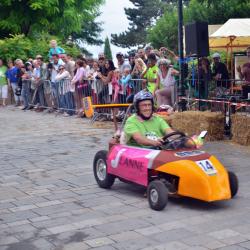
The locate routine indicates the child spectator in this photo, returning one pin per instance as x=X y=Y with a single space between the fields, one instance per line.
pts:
x=54 y=49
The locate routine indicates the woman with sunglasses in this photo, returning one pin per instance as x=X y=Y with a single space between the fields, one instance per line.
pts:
x=165 y=83
x=66 y=97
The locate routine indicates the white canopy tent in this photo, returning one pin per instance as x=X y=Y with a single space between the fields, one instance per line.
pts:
x=235 y=33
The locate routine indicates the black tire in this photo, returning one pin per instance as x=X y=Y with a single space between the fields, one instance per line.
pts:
x=157 y=194
x=103 y=179
x=233 y=181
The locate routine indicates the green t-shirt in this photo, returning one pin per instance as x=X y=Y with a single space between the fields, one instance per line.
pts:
x=151 y=74
x=153 y=128
x=3 y=79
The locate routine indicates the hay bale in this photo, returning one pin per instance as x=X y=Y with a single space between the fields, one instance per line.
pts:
x=193 y=122
x=241 y=129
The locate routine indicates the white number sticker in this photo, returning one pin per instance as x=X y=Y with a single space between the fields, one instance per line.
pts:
x=207 y=167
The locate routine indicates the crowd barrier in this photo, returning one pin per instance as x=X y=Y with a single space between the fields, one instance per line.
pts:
x=199 y=95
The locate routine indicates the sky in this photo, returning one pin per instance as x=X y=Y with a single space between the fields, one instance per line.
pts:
x=114 y=21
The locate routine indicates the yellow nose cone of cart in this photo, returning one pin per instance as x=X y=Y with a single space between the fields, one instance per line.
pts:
x=88 y=107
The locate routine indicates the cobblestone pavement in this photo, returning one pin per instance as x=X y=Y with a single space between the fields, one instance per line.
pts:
x=49 y=198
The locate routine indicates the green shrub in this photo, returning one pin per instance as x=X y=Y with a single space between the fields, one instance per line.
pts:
x=22 y=47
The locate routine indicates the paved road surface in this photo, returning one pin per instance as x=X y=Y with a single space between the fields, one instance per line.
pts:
x=49 y=199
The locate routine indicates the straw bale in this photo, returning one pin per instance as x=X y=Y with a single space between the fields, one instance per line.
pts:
x=193 y=122
x=241 y=129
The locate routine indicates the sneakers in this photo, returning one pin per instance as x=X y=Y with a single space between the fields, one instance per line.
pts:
x=65 y=114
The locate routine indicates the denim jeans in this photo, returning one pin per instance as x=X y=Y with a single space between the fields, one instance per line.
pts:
x=69 y=102
x=14 y=87
x=26 y=93
x=54 y=94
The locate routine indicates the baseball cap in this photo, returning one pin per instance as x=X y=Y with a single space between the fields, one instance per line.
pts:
x=28 y=63
x=216 y=55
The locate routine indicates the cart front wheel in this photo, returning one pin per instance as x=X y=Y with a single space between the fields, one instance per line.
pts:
x=233 y=181
x=157 y=194
x=103 y=178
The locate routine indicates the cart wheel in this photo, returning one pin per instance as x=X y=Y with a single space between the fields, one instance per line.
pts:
x=157 y=194
x=233 y=181
x=103 y=179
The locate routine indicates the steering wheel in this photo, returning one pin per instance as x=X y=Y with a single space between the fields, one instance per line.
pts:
x=178 y=140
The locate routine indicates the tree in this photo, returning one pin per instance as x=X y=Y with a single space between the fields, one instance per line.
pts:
x=23 y=47
x=60 y=18
x=141 y=18
x=165 y=32
x=107 y=49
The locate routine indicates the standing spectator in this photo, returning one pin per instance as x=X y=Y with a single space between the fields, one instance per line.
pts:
x=94 y=71
x=86 y=67
x=131 y=59
x=122 y=63
x=54 y=49
x=93 y=75
x=90 y=62
x=115 y=85
x=106 y=80
x=26 y=84
x=13 y=75
x=38 y=95
x=77 y=85
x=3 y=82
x=204 y=75
x=53 y=68
x=125 y=89
x=150 y=74
x=101 y=63
x=139 y=68
x=165 y=85
x=244 y=74
x=148 y=51
x=142 y=55
x=69 y=65
x=63 y=78
x=43 y=67
x=220 y=74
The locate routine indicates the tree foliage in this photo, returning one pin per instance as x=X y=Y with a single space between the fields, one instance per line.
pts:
x=23 y=47
x=165 y=32
x=107 y=49
x=60 y=18
x=141 y=17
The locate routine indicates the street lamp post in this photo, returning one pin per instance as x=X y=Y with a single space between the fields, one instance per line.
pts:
x=181 y=90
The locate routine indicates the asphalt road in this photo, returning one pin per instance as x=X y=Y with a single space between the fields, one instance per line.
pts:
x=49 y=198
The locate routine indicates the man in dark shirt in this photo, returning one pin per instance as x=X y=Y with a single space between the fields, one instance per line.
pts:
x=220 y=72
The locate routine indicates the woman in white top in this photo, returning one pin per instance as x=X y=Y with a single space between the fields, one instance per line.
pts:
x=62 y=74
x=165 y=84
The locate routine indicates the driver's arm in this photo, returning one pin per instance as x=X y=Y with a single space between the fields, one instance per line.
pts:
x=169 y=130
x=142 y=140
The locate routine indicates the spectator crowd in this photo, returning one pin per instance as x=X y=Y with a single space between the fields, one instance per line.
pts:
x=63 y=81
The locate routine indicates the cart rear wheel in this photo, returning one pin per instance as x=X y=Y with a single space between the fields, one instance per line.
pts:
x=233 y=181
x=103 y=179
x=157 y=194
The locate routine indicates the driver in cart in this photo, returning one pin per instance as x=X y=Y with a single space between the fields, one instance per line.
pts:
x=145 y=129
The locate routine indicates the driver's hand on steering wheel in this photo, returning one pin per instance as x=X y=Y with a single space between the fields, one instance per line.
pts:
x=157 y=143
